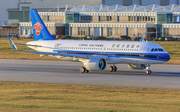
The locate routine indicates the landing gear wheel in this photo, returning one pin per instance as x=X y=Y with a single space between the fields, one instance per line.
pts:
x=110 y=68
x=82 y=69
x=148 y=71
x=86 y=71
x=114 y=68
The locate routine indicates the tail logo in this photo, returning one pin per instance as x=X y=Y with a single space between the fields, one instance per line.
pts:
x=38 y=28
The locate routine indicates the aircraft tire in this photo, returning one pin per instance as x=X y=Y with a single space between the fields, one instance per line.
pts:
x=110 y=68
x=82 y=69
x=148 y=72
x=86 y=71
x=114 y=68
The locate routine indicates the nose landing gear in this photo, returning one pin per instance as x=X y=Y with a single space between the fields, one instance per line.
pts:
x=148 y=71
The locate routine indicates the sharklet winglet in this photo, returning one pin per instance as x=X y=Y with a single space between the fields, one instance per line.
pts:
x=13 y=45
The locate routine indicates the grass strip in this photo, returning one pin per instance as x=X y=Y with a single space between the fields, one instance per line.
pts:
x=19 y=96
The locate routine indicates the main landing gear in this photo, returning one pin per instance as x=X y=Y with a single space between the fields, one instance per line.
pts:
x=148 y=71
x=83 y=70
x=112 y=68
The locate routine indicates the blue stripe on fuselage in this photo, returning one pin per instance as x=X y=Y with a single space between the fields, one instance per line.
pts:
x=152 y=56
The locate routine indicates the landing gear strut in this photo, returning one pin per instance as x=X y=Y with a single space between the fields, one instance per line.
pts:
x=83 y=70
x=112 y=68
x=148 y=71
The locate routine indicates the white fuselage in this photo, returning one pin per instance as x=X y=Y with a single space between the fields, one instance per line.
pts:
x=116 y=51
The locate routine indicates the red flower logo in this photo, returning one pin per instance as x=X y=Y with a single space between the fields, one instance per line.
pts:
x=38 y=28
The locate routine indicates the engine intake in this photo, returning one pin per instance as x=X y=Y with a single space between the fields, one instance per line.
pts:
x=95 y=64
x=102 y=64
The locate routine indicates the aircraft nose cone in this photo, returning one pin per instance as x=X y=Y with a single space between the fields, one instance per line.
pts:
x=168 y=57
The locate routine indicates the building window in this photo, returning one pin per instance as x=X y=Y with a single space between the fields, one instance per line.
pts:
x=117 y=18
x=55 y=18
x=166 y=32
x=132 y=18
x=82 y=30
x=153 y=18
x=86 y=18
x=76 y=18
x=161 y=18
x=69 y=18
x=146 y=18
x=25 y=8
x=109 y=31
x=176 y=19
x=109 y=18
x=105 y=18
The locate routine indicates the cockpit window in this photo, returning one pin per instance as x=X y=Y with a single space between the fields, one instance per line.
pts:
x=157 y=49
x=152 y=49
x=160 y=49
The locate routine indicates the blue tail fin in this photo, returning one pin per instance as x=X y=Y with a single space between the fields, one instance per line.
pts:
x=39 y=29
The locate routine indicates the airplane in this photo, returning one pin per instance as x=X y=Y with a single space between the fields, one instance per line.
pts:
x=95 y=55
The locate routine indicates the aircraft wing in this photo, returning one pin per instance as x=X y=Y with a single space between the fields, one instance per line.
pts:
x=49 y=53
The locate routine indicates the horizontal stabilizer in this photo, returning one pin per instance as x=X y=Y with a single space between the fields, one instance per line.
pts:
x=28 y=45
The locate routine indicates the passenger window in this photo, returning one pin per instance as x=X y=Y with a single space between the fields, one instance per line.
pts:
x=137 y=46
x=118 y=45
x=132 y=46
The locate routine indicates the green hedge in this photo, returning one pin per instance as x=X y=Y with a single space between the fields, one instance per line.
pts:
x=99 y=38
x=67 y=37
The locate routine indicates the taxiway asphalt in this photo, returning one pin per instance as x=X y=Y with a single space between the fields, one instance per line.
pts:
x=63 y=72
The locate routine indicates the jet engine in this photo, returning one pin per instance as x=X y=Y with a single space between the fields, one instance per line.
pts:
x=95 y=64
x=138 y=66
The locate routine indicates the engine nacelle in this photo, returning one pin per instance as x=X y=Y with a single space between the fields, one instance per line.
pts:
x=95 y=64
x=139 y=66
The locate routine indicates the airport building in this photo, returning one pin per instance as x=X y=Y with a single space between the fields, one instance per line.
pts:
x=108 y=18
x=111 y=21
x=19 y=9
x=140 y=2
